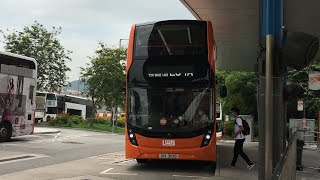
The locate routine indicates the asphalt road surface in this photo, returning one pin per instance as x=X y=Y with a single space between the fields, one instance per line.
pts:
x=80 y=155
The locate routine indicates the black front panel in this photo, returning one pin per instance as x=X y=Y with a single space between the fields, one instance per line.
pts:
x=171 y=38
x=182 y=70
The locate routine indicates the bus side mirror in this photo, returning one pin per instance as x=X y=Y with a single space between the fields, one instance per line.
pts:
x=223 y=91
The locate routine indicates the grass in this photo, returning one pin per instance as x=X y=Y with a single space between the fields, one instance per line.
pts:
x=99 y=127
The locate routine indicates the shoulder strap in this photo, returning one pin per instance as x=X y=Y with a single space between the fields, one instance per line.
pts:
x=241 y=120
x=239 y=126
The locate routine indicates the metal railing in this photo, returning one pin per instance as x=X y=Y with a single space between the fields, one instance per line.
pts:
x=286 y=168
x=310 y=138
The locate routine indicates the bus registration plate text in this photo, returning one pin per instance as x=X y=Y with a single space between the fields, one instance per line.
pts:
x=169 y=156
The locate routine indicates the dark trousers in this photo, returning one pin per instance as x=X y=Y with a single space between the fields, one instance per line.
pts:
x=238 y=149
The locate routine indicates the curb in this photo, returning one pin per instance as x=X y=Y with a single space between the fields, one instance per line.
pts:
x=51 y=132
x=93 y=130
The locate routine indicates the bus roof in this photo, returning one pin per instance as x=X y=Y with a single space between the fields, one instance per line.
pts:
x=79 y=97
x=164 y=21
x=46 y=92
x=17 y=56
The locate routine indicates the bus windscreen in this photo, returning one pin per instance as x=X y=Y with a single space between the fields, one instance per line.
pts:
x=170 y=40
x=169 y=109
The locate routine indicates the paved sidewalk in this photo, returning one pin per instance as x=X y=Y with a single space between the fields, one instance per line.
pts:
x=311 y=164
x=225 y=154
x=44 y=130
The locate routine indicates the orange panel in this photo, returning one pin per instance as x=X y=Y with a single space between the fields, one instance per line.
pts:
x=179 y=143
x=187 y=149
x=130 y=48
x=131 y=151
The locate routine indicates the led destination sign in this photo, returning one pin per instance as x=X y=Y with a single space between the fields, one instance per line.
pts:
x=169 y=71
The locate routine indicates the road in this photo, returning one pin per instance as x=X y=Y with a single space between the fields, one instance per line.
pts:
x=78 y=155
x=49 y=149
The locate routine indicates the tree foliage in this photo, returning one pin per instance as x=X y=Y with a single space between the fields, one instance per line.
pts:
x=242 y=91
x=310 y=98
x=105 y=76
x=44 y=46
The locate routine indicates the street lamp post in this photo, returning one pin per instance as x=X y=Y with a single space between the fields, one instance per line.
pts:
x=115 y=110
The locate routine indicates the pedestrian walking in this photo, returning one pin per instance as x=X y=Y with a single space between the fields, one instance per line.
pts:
x=239 y=137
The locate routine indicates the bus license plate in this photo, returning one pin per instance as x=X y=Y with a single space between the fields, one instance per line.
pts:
x=169 y=156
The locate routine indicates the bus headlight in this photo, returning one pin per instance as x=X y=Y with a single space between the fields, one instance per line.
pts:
x=206 y=138
x=132 y=137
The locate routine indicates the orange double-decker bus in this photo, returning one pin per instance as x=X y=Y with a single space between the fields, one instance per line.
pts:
x=171 y=92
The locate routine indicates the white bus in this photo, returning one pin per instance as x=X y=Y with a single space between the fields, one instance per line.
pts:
x=18 y=84
x=47 y=106
x=75 y=105
x=53 y=104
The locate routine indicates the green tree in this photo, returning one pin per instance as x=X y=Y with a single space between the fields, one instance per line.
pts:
x=105 y=77
x=310 y=98
x=44 y=46
x=242 y=91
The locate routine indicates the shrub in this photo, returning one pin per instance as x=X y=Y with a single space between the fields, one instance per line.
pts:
x=53 y=122
x=90 y=120
x=103 y=120
x=75 y=119
x=121 y=122
x=62 y=118
x=69 y=124
x=97 y=120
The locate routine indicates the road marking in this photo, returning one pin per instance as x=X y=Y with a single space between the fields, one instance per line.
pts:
x=20 y=157
x=103 y=172
x=36 y=142
x=125 y=174
x=123 y=161
x=183 y=176
x=114 y=155
x=55 y=137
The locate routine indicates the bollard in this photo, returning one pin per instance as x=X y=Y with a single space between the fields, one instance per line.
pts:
x=300 y=144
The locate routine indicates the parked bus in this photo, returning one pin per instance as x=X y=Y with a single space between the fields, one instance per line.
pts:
x=219 y=121
x=41 y=107
x=60 y=103
x=18 y=84
x=52 y=105
x=47 y=106
x=75 y=105
x=171 y=92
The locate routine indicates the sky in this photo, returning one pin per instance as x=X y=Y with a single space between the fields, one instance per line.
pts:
x=86 y=22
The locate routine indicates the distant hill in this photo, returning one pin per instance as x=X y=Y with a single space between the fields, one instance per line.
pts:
x=75 y=85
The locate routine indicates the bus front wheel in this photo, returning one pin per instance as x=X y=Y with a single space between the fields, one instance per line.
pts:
x=142 y=160
x=5 y=132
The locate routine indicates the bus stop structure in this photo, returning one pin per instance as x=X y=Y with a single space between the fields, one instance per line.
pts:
x=264 y=36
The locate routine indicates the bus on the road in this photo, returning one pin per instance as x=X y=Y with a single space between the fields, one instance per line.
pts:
x=171 y=92
x=53 y=104
x=18 y=84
